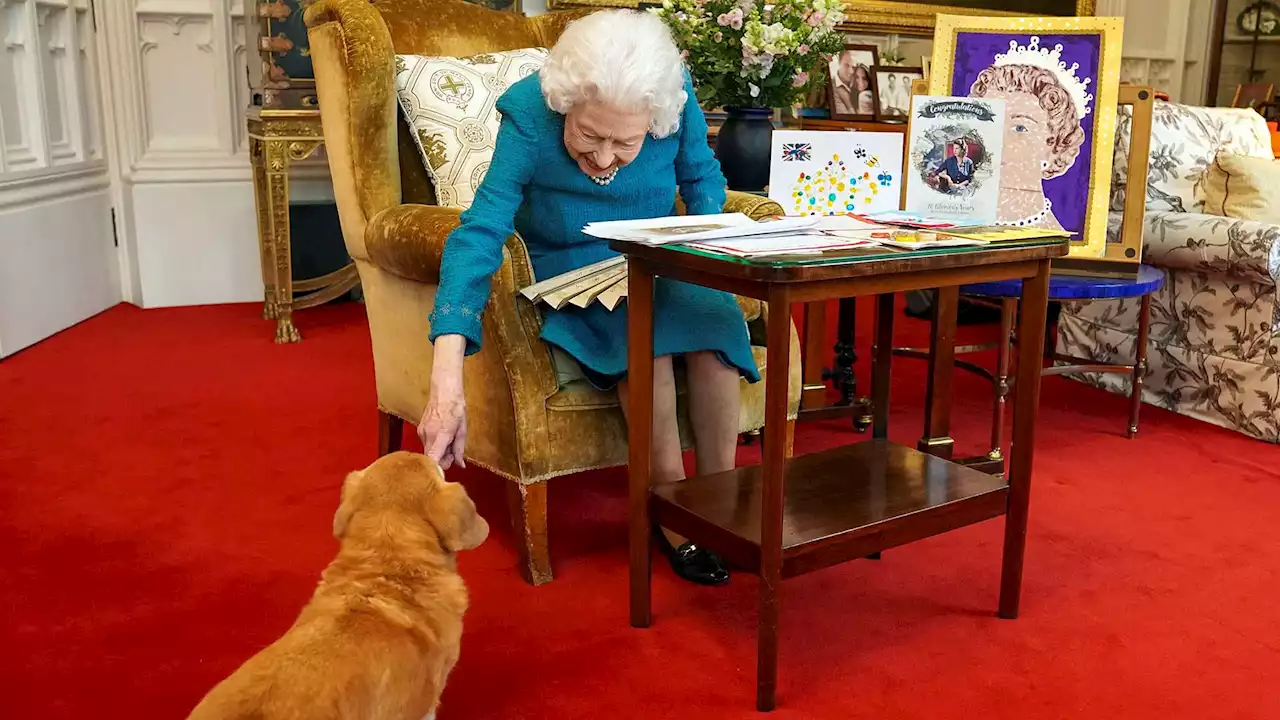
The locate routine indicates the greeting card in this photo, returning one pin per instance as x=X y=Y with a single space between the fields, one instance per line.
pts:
x=953 y=158
x=827 y=173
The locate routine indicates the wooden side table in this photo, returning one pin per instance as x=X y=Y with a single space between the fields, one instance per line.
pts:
x=789 y=516
x=276 y=139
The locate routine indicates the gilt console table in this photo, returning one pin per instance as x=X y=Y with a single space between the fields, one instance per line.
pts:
x=789 y=516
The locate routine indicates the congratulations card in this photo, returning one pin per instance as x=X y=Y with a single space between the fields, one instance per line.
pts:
x=828 y=173
x=953 y=158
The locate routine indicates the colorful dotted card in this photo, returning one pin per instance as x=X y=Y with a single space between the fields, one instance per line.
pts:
x=830 y=173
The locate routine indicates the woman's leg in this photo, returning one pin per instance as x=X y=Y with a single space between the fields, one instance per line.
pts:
x=687 y=559
x=714 y=402
x=667 y=461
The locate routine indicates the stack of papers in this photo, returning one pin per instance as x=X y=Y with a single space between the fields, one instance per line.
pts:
x=604 y=282
x=690 y=228
x=736 y=235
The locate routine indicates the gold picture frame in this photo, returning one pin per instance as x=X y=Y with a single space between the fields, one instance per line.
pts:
x=889 y=16
x=1076 y=188
x=913 y=18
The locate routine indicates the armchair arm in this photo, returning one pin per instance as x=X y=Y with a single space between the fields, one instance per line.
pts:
x=1243 y=249
x=408 y=240
x=753 y=206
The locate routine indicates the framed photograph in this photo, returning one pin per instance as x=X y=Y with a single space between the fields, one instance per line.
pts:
x=1252 y=95
x=851 y=92
x=1060 y=79
x=893 y=91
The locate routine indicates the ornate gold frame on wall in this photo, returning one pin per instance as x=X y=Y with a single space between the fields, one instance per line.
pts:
x=905 y=18
x=911 y=18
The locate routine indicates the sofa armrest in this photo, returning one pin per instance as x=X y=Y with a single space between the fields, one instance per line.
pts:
x=1244 y=249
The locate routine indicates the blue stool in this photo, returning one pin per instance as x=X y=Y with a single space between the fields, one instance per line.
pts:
x=1064 y=287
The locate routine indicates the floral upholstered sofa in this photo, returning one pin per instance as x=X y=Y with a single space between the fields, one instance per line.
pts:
x=1214 y=348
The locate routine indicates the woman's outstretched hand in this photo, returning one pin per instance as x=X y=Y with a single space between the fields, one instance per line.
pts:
x=443 y=429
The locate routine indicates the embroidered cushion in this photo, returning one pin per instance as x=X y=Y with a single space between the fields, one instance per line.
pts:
x=1242 y=187
x=450 y=105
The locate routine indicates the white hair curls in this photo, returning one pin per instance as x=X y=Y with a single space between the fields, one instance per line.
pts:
x=623 y=58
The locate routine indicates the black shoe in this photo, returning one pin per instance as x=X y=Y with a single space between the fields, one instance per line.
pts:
x=693 y=563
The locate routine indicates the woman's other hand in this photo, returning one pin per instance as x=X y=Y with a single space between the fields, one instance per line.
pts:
x=443 y=429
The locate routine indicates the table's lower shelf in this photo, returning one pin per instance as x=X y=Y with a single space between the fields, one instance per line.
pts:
x=841 y=504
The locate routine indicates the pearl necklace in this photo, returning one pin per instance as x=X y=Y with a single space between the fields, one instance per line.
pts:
x=1029 y=221
x=604 y=179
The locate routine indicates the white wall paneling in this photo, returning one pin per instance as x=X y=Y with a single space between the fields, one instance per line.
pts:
x=58 y=263
x=185 y=198
x=1164 y=43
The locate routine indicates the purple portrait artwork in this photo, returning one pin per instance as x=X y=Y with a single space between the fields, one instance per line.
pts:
x=1047 y=83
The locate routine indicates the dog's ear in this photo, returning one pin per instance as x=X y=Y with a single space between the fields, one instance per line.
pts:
x=454 y=516
x=345 y=507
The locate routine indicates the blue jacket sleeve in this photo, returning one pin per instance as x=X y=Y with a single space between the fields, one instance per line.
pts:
x=473 y=251
x=697 y=170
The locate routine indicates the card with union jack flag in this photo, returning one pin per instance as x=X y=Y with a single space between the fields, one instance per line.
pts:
x=796 y=152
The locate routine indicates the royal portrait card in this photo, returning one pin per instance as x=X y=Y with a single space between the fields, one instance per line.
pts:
x=953 y=158
x=813 y=172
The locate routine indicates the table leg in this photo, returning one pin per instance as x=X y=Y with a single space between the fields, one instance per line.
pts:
x=881 y=361
x=1008 y=310
x=942 y=359
x=1032 y=313
x=640 y=432
x=266 y=247
x=277 y=192
x=846 y=354
x=1139 y=363
x=773 y=467
x=814 y=394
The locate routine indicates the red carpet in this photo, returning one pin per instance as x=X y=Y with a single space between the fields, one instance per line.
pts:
x=168 y=478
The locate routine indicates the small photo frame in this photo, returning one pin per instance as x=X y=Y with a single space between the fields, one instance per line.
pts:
x=1251 y=95
x=851 y=89
x=893 y=91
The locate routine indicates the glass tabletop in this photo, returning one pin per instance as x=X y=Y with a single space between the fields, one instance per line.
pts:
x=875 y=253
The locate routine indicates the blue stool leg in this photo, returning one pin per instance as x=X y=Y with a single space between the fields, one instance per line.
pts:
x=1008 y=311
x=1139 y=363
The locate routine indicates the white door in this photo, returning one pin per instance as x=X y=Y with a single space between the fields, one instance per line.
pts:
x=58 y=260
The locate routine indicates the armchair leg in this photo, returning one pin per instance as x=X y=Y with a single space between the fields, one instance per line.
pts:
x=528 y=505
x=390 y=433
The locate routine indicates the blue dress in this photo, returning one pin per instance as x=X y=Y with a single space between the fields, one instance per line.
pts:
x=535 y=188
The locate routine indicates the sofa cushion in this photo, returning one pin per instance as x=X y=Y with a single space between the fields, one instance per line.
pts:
x=1242 y=187
x=449 y=104
x=1184 y=141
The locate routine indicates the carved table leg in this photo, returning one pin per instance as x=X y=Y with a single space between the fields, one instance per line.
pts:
x=277 y=187
x=1139 y=363
x=1008 y=312
x=266 y=246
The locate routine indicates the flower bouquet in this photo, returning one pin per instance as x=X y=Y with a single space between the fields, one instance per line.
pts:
x=749 y=57
x=753 y=54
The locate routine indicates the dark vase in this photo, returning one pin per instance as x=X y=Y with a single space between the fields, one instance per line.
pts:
x=742 y=146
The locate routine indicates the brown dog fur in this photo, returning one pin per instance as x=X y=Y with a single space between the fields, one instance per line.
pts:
x=382 y=631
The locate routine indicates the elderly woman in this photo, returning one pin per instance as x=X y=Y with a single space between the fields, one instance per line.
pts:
x=608 y=129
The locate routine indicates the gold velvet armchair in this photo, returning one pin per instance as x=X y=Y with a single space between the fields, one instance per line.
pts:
x=522 y=425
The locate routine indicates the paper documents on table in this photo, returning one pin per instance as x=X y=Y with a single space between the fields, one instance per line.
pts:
x=769 y=245
x=690 y=228
x=731 y=234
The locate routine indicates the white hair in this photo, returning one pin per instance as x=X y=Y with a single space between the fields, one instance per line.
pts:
x=622 y=58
